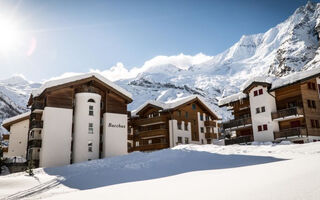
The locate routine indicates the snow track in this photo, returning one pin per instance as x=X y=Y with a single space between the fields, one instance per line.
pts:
x=34 y=190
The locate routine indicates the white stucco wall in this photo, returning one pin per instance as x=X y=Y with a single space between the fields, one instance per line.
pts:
x=81 y=135
x=56 y=137
x=18 y=139
x=268 y=101
x=202 y=136
x=115 y=133
x=174 y=132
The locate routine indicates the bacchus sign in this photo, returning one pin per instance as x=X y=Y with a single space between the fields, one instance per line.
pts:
x=116 y=125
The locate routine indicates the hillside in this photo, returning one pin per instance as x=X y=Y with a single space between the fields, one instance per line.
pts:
x=289 y=47
x=259 y=171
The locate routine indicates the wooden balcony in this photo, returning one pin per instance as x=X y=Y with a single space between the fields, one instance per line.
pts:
x=294 y=112
x=291 y=132
x=5 y=149
x=237 y=123
x=5 y=137
x=151 y=147
x=36 y=124
x=162 y=132
x=211 y=136
x=130 y=137
x=34 y=143
x=37 y=107
x=239 y=140
x=210 y=123
x=149 y=121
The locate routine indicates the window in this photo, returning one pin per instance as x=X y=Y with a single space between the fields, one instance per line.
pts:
x=259 y=128
x=91 y=101
x=90 y=131
x=265 y=127
x=201 y=141
x=257 y=110
x=180 y=140
x=186 y=140
x=311 y=104
x=313 y=125
x=194 y=106
x=187 y=115
x=137 y=143
x=149 y=141
x=207 y=118
x=91 y=110
x=202 y=130
x=317 y=123
x=201 y=117
x=179 y=113
x=263 y=109
x=255 y=93
x=179 y=125
x=260 y=92
x=311 y=86
x=185 y=126
x=89 y=146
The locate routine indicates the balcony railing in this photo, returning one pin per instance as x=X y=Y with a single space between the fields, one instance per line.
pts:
x=151 y=120
x=5 y=137
x=151 y=133
x=130 y=137
x=287 y=112
x=238 y=140
x=5 y=149
x=37 y=105
x=151 y=147
x=237 y=122
x=291 y=132
x=210 y=123
x=34 y=143
x=36 y=124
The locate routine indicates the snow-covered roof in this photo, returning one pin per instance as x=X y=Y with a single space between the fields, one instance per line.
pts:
x=232 y=98
x=15 y=118
x=62 y=81
x=294 y=77
x=173 y=104
x=258 y=79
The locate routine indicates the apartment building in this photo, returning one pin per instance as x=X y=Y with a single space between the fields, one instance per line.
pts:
x=17 y=140
x=156 y=125
x=285 y=108
x=72 y=120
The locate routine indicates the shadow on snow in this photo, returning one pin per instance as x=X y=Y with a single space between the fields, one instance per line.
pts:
x=139 y=166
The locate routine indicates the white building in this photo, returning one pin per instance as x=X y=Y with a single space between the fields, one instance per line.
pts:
x=77 y=119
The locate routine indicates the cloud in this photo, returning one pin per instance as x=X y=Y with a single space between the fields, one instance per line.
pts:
x=120 y=72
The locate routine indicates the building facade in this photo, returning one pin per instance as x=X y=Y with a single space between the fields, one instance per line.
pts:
x=75 y=120
x=17 y=140
x=282 y=109
x=156 y=125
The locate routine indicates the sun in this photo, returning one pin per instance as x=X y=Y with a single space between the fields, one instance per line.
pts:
x=9 y=36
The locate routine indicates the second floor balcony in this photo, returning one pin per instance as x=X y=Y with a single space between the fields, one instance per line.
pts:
x=237 y=123
x=34 y=143
x=287 y=113
x=37 y=107
x=36 y=124
x=210 y=123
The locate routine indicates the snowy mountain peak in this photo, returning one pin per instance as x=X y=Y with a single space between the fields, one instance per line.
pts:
x=16 y=79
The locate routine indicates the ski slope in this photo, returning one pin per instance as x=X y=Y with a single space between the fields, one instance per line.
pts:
x=259 y=171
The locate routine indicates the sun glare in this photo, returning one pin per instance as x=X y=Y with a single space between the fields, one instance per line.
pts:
x=9 y=36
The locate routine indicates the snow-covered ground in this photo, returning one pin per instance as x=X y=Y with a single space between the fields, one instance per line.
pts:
x=284 y=171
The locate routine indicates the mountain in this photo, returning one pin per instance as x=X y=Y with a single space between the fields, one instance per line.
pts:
x=14 y=93
x=291 y=46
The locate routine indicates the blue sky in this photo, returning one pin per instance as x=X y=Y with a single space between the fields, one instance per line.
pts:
x=74 y=36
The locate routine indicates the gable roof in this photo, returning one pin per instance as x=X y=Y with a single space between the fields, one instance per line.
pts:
x=60 y=82
x=175 y=104
x=18 y=118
